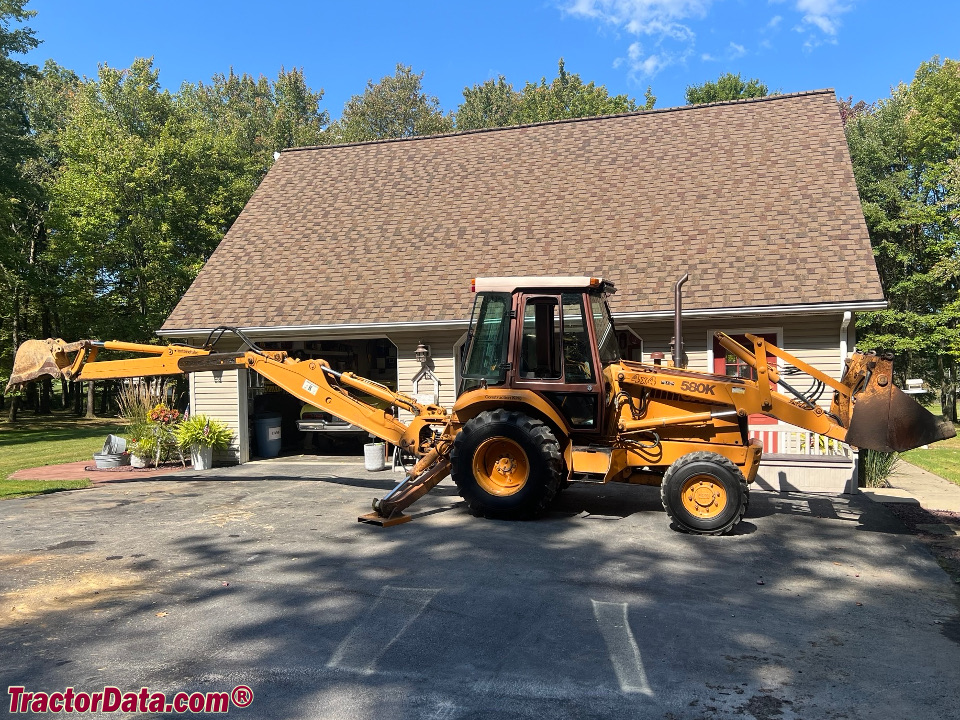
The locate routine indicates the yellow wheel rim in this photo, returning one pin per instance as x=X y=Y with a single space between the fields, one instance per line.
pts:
x=500 y=466
x=703 y=496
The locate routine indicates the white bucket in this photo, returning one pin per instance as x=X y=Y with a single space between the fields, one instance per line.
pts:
x=373 y=457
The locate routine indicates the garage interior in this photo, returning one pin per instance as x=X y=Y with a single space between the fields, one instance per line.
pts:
x=374 y=358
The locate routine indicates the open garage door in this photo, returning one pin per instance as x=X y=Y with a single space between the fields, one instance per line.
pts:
x=309 y=430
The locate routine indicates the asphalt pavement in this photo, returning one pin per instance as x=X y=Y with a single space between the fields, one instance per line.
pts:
x=260 y=576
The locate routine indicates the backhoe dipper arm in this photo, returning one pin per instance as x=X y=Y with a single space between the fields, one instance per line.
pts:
x=312 y=381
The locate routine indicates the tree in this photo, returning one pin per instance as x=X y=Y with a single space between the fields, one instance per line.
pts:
x=18 y=249
x=568 y=97
x=905 y=158
x=497 y=104
x=494 y=103
x=394 y=107
x=148 y=182
x=726 y=87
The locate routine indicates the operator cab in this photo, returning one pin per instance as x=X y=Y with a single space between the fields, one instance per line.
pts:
x=551 y=335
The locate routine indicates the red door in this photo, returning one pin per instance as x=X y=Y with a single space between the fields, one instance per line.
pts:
x=725 y=363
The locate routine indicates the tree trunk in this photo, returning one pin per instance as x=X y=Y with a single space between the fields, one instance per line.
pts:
x=76 y=397
x=14 y=406
x=952 y=399
x=64 y=394
x=91 y=398
x=104 y=395
x=46 y=384
x=46 y=390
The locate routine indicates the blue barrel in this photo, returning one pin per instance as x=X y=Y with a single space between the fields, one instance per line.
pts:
x=267 y=429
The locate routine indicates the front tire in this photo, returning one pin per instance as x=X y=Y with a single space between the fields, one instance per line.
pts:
x=704 y=494
x=506 y=465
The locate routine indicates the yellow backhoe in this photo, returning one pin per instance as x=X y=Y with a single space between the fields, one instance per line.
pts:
x=546 y=400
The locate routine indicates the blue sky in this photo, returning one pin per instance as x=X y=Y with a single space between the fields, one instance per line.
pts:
x=858 y=47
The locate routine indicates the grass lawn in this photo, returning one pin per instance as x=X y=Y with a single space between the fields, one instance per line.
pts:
x=33 y=441
x=942 y=458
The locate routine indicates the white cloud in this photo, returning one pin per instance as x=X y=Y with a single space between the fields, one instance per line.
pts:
x=823 y=14
x=644 y=17
x=667 y=27
x=666 y=22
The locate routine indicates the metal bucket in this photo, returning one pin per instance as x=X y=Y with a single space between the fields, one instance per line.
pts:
x=104 y=461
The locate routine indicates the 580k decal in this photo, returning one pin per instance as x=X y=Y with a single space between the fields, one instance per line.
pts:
x=702 y=388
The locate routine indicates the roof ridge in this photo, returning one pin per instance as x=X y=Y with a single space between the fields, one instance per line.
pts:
x=564 y=121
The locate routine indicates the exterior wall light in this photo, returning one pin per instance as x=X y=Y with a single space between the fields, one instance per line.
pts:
x=422 y=353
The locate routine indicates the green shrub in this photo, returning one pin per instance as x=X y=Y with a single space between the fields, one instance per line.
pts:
x=202 y=431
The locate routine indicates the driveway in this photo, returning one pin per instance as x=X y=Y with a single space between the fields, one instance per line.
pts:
x=261 y=576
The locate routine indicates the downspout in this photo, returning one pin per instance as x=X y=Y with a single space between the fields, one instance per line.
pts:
x=844 y=324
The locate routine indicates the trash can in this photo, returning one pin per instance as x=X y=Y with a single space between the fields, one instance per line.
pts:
x=373 y=457
x=267 y=431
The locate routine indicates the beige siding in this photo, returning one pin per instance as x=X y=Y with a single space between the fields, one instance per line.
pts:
x=223 y=395
x=442 y=363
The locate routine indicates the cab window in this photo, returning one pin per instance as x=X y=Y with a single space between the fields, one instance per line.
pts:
x=577 y=358
x=489 y=332
x=540 y=339
x=603 y=327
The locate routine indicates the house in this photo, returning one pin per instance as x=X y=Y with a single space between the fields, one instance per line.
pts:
x=359 y=253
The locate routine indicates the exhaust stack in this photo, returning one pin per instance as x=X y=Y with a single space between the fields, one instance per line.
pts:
x=679 y=358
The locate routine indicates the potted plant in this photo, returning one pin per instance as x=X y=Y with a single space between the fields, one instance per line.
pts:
x=202 y=435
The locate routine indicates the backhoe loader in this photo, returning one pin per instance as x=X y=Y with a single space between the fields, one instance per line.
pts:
x=546 y=400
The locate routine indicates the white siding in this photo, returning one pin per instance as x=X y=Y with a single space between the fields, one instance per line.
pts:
x=222 y=394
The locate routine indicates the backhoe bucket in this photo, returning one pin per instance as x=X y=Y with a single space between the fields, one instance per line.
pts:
x=885 y=418
x=39 y=358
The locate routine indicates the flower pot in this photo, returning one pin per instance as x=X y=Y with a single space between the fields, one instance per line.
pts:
x=201 y=457
x=138 y=462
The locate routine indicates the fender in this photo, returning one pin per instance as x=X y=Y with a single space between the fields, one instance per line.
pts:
x=474 y=402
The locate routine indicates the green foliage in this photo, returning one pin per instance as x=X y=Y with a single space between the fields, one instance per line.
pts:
x=905 y=158
x=15 y=141
x=203 y=431
x=394 y=107
x=726 y=87
x=878 y=467
x=148 y=183
x=495 y=103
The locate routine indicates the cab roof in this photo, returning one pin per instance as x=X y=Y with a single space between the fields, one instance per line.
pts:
x=542 y=282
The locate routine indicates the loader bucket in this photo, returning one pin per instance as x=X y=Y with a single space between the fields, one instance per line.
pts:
x=39 y=358
x=886 y=419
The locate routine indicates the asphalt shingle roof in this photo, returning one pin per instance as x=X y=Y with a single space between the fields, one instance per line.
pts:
x=755 y=199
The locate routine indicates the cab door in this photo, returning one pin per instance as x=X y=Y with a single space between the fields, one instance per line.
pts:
x=554 y=355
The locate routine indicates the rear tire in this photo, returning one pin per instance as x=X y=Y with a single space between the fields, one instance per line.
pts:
x=506 y=465
x=704 y=494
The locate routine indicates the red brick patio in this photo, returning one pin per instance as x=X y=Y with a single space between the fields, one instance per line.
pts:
x=86 y=469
